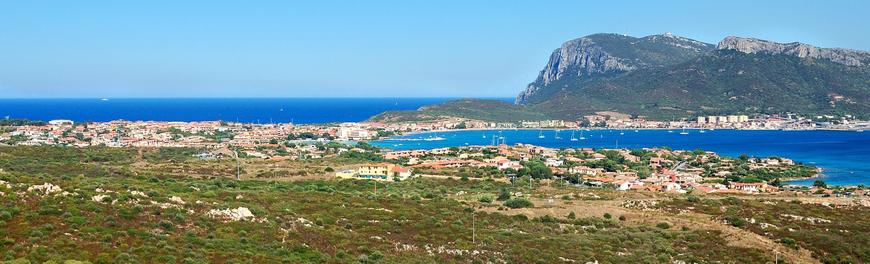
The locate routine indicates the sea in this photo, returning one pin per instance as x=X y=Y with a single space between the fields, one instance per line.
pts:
x=248 y=110
x=844 y=156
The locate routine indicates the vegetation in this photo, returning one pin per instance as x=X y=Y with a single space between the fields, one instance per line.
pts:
x=122 y=205
x=477 y=109
x=835 y=234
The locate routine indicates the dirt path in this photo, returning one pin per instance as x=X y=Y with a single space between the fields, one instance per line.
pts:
x=734 y=236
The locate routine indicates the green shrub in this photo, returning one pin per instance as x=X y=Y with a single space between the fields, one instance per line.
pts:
x=5 y=216
x=663 y=225
x=607 y=216
x=518 y=203
x=503 y=195
x=789 y=242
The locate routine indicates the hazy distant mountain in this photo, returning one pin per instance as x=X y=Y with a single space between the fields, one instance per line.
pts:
x=665 y=75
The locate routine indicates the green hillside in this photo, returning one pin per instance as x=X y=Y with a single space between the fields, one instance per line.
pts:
x=477 y=109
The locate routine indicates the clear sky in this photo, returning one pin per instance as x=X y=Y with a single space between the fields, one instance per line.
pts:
x=401 y=48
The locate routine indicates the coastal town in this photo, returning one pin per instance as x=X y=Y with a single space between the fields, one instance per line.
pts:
x=648 y=169
x=220 y=134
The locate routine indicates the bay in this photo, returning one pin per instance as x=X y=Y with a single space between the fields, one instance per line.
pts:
x=844 y=156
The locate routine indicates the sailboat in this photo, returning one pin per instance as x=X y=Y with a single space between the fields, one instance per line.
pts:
x=572 y=135
x=581 y=135
x=684 y=132
x=557 y=135
x=541 y=134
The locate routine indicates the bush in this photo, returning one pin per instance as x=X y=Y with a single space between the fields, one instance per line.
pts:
x=503 y=195
x=789 y=242
x=607 y=216
x=735 y=221
x=166 y=225
x=485 y=199
x=693 y=199
x=663 y=225
x=571 y=215
x=621 y=218
x=518 y=203
x=5 y=216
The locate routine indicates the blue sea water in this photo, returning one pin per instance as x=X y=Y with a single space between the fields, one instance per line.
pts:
x=844 y=156
x=249 y=110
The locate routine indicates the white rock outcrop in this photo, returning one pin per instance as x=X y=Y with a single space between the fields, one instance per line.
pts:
x=237 y=214
x=45 y=188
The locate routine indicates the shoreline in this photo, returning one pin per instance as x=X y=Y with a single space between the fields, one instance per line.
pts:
x=618 y=129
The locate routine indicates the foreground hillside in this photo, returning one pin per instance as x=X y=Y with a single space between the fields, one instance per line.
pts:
x=106 y=205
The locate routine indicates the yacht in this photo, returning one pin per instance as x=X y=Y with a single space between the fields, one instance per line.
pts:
x=541 y=134
x=572 y=136
x=684 y=132
x=581 y=136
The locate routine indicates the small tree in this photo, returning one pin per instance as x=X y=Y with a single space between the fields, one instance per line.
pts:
x=503 y=195
x=518 y=203
x=820 y=184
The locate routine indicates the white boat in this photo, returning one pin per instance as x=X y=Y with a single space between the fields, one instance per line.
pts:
x=670 y=131
x=702 y=131
x=581 y=136
x=572 y=136
x=541 y=134
x=684 y=132
x=433 y=138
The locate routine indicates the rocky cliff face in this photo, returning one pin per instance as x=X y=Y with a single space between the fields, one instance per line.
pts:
x=579 y=58
x=602 y=54
x=751 y=46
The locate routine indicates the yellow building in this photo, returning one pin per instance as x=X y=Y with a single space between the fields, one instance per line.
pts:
x=376 y=171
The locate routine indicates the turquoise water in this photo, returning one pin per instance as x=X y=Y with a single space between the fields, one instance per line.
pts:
x=845 y=156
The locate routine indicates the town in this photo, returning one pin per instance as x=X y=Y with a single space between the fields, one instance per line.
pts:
x=650 y=169
x=220 y=134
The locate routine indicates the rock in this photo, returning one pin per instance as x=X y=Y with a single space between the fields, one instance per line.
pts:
x=45 y=188
x=176 y=199
x=751 y=45
x=99 y=198
x=237 y=214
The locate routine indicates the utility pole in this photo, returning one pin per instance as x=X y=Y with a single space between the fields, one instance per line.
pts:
x=473 y=229
x=238 y=167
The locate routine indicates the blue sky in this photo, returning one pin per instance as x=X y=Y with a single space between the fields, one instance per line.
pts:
x=356 y=48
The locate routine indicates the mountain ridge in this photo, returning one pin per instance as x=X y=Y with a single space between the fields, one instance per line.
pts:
x=667 y=75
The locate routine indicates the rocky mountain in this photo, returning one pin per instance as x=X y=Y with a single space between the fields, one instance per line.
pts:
x=750 y=45
x=665 y=76
x=601 y=55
